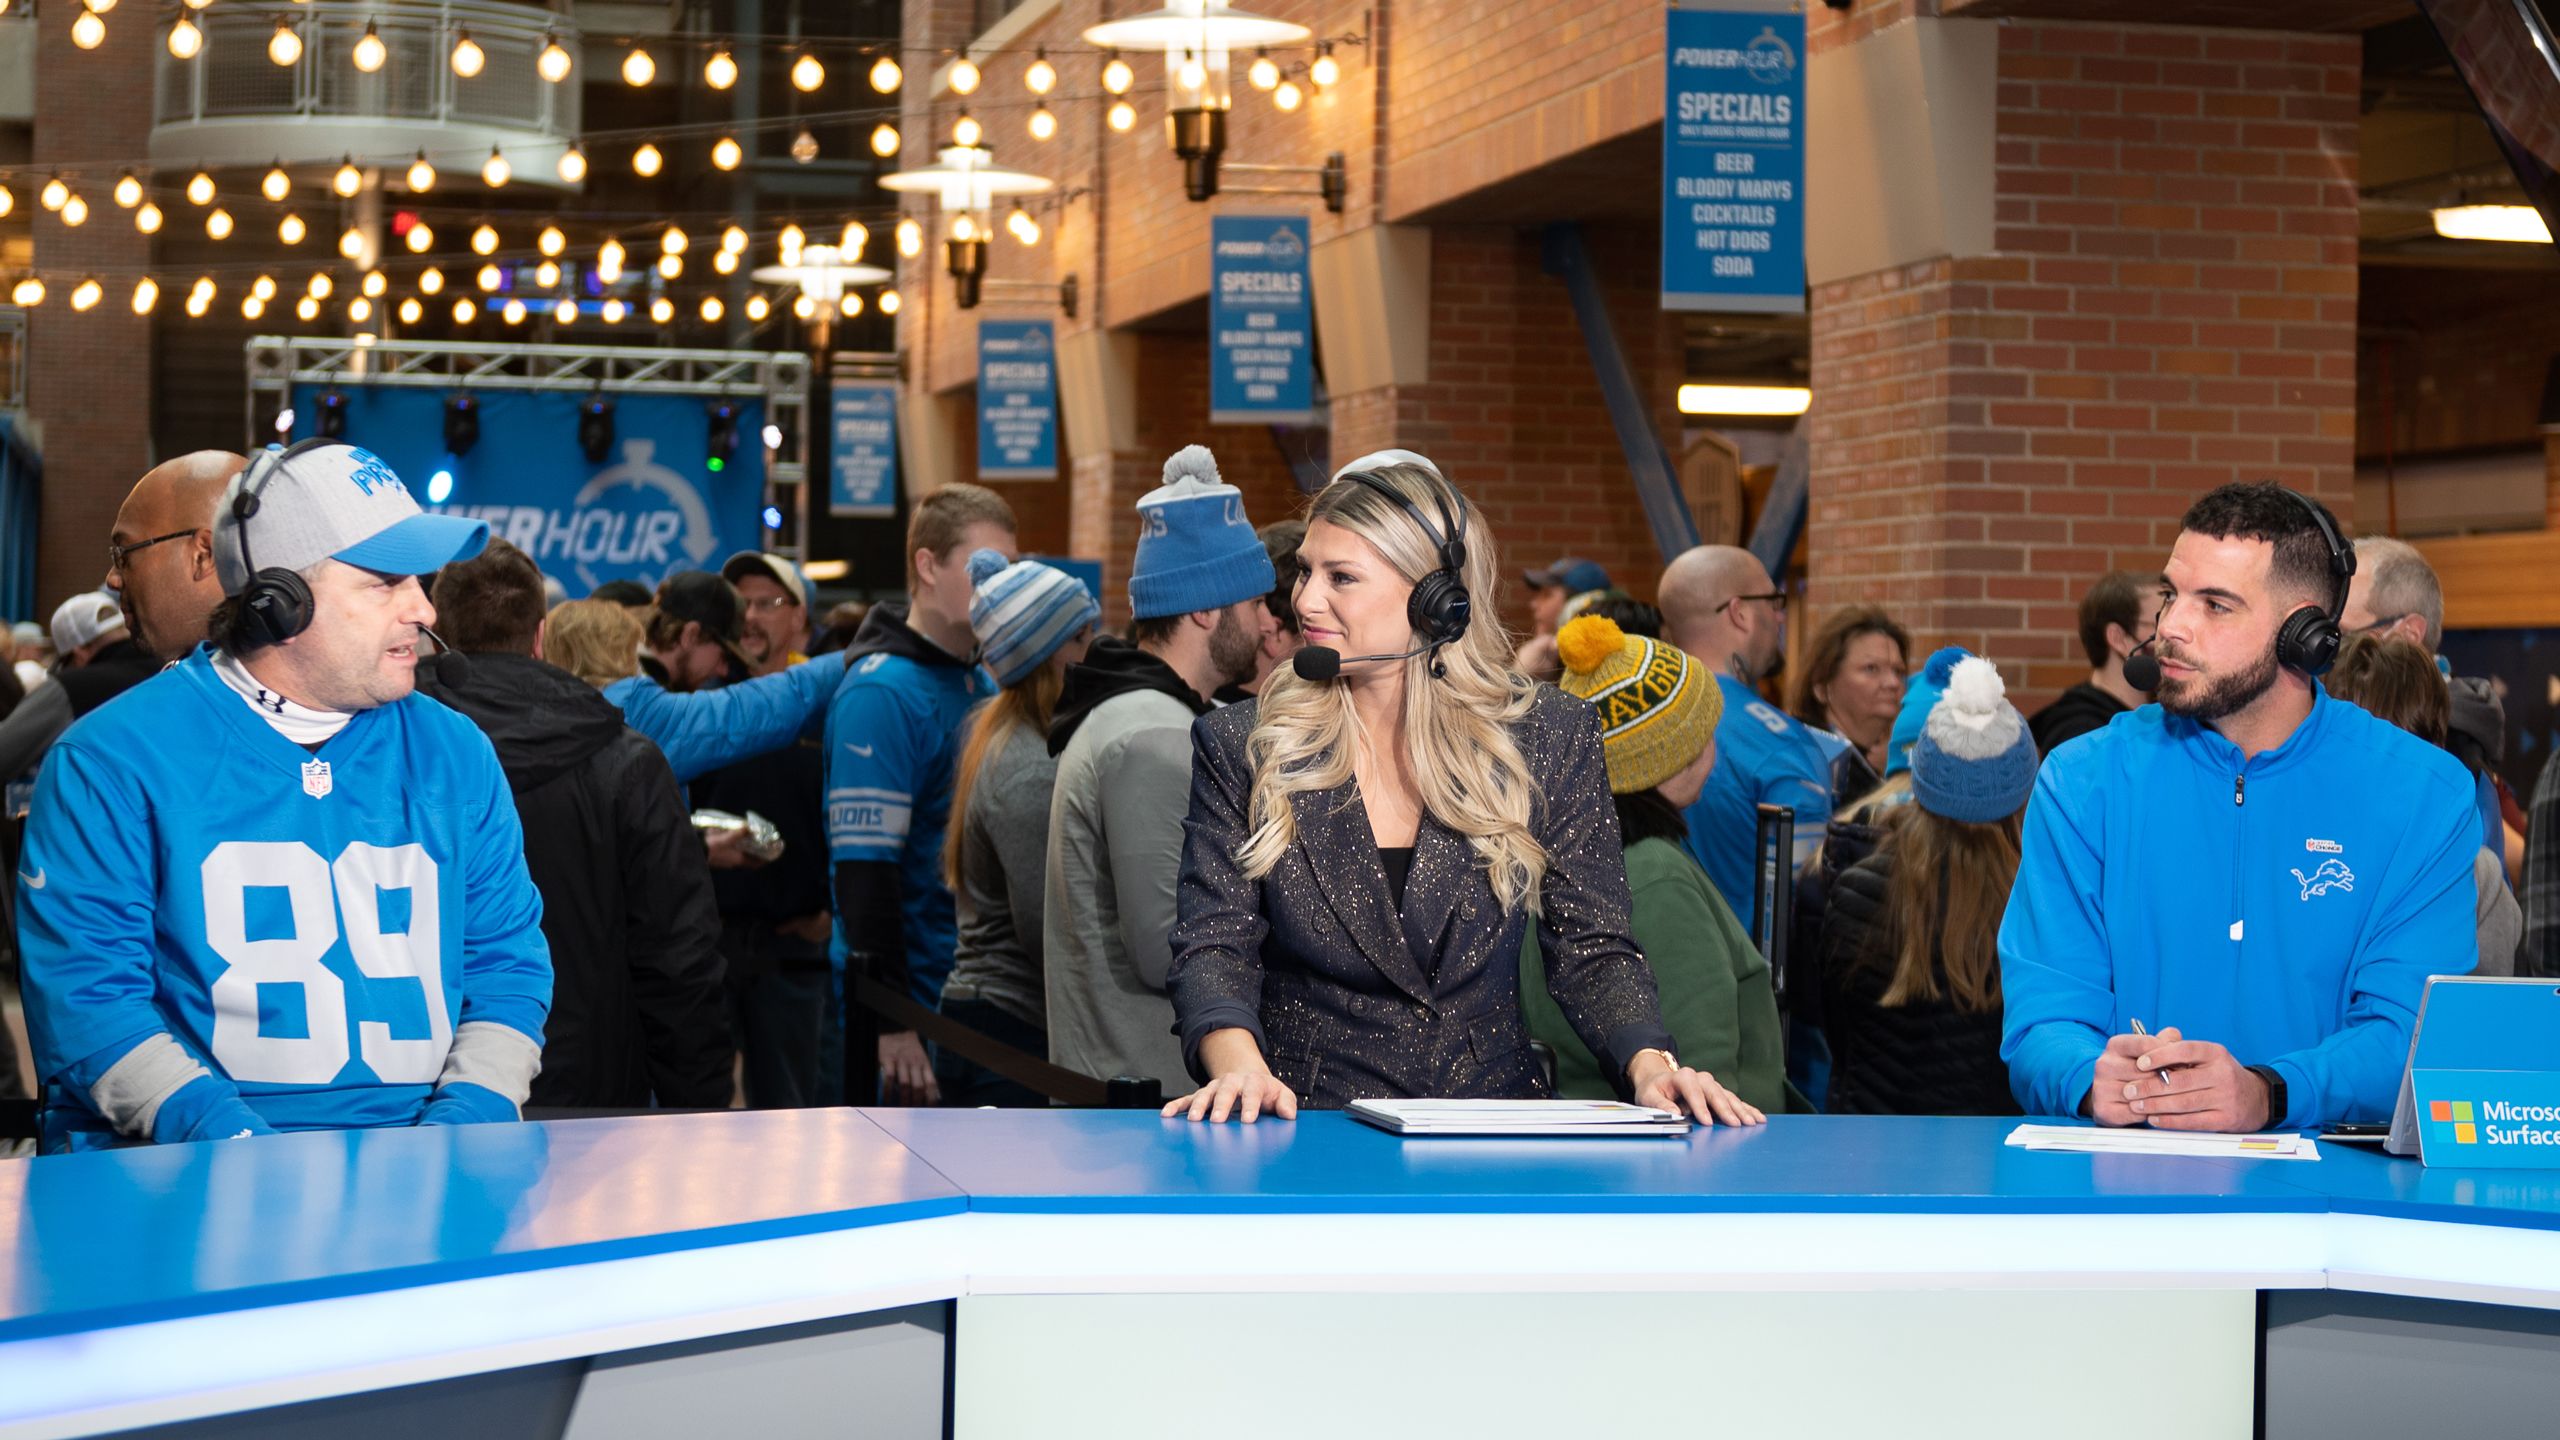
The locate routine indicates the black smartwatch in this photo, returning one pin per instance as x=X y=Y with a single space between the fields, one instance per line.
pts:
x=2278 y=1104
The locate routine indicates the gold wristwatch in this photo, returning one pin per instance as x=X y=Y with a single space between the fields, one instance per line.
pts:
x=1652 y=1050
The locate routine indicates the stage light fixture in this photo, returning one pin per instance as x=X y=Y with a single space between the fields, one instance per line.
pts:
x=461 y=425
x=595 y=428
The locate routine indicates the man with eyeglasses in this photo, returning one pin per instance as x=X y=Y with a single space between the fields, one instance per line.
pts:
x=1719 y=604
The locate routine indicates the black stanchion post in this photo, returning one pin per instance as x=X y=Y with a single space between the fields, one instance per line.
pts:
x=1774 y=891
x=1133 y=1092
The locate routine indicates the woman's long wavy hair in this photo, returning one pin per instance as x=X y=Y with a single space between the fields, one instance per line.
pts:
x=1457 y=725
x=1019 y=711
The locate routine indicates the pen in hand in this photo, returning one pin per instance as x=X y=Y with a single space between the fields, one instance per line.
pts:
x=2157 y=1070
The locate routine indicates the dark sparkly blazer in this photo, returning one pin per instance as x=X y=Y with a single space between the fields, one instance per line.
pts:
x=1351 y=999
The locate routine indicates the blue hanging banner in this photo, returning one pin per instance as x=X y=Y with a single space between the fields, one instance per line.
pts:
x=1261 y=321
x=862 y=429
x=1017 y=400
x=654 y=504
x=1733 y=162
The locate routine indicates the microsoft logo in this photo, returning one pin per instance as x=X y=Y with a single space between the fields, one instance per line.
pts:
x=2458 y=1114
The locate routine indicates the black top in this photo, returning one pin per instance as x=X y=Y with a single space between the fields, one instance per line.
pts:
x=2074 y=713
x=1926 y=1057
x=1399 y=864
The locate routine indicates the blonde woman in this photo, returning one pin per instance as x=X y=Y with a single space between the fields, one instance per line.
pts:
x=596 y=640
x=1369 y=841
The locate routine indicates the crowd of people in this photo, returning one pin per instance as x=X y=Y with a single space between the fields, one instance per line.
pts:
x=335 y=812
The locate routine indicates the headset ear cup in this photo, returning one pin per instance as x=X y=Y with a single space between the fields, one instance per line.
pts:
x=274 y=608
x=1440 y=607
x=2308 y=642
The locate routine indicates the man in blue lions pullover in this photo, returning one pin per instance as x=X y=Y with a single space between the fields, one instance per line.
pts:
x=2261 y=875
x=270 y=888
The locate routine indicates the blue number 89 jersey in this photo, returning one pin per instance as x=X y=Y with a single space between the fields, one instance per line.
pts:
x=312 y=929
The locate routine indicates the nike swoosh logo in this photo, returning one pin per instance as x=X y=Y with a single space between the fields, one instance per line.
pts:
x=35 y=881
x=862 y=750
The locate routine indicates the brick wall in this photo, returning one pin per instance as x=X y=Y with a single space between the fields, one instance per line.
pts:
x=89 y=376
x=2171 y=306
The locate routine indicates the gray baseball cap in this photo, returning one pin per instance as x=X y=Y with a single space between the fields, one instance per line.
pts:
x=331 y=501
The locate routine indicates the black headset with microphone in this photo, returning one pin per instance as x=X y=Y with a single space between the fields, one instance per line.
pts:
x=276 y=604
x=1439 y=609
x=2309 y=638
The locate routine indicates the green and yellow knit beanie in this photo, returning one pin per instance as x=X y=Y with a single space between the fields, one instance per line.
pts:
x=1658 y=708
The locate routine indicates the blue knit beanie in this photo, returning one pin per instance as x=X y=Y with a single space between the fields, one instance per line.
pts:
x=1974 y=760
x=1919 y=696
x=1196 y=549
x=1023 y=611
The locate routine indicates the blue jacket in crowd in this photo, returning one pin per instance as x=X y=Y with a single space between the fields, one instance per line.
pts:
x=701 y=730
x=2289 y=907
x=1763 y=755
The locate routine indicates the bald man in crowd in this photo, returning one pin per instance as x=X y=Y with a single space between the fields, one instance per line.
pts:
x=160 y=554
x=1719 y=604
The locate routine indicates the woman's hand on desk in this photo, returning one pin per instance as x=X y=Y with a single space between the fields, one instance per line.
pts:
x=1239 y=1083
x=1692 y=1092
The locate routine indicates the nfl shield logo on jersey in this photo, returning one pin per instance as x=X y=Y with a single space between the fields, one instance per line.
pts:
x=315 y=779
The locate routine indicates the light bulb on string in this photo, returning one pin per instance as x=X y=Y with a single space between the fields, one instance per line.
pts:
x=495 y=172
x=360 y=309
x=551 y=241
x=889 y=302
x=422 y=238
x=725 y=262
x=422 y=176
x=547 y=274
x=431 y=281
x=856 y=235
x=284 y=47
x=1042 y=77
x=712 y=309
x=884 y=140
x=54 y=193
x=290 y=230
x=218 y=224
x=146 y=218
x=200 y=189
x=1327 y=71
x=789 y=243
x=306 y=309
x=75 y=211
x=468 y=58
x=1022 y=226
x=1288 y=96
x=88 y=32
x=726 y=153
x=275 y=184
x=804 y=146
x=886 y=76
x=964 y=227
x=186 y=38
x=673 y=240
x=374 y=283
x=637 y=68
x=1044 y=123
x=348 y=180
x=28 y=292
x=966 y=131
x=647 y=161
x=965 y=76
x=807 y=74
x=804 y=307
x=86 y=295
x=146 y=294
x=720 y=71
x=8 y=200
x=484 y=239
x=910 y=238
x=573 y=165
x=733 y=238
x=369 y=51
x=264 y=287
x=1263 y=74
x=465 y=310
x=197 y=304
x=614 y=310
x=1117 y=77
x=758 y=307
x=320 y=285
x=609 y=261
x=489 y=278
x=411 y=311
x=513 y=314
x=553 y=64
x=203 y=286
x=101 y=6
x=1123 y=115
x=351 y=243
x=128 y=190
x=670 y=266
x=662 y=310
x=251 y=307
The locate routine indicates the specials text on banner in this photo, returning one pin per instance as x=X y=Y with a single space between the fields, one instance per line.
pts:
x=862 y=450
x=1261 y=321
x=1017 y=400
x=1733 y=162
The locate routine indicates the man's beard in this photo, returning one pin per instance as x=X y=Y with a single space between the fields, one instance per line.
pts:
x=1233 y=650
x=2208 y=701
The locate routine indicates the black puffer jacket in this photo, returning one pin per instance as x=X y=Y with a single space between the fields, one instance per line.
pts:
x=637 y=1010
x=1922 y=1058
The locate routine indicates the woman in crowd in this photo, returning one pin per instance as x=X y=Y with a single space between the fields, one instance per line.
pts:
x=1909 y=963
x=1365 y=852
x=1716 y=995
x=596 y=640
x=1032 y=621
x=1851 y=686
x=2396 y=680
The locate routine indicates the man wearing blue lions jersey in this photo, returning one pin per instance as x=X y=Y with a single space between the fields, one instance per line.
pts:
x=270 y=889
x=893 y=737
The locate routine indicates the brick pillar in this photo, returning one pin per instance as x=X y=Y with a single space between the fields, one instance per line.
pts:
x=2167 y=302
x=88 y=376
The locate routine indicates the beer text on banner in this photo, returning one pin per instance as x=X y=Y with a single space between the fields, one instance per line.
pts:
x=1261 y=321
x=1733 y=162
x=1017 y=400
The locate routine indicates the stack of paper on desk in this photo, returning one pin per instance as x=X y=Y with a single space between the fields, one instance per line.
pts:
x=2093 y=1141
x=1587 y=1118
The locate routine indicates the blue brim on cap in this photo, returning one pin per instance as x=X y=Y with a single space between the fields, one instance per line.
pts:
x=419 y=545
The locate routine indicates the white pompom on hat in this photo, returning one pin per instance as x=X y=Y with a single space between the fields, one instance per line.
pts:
x=1975 y=760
